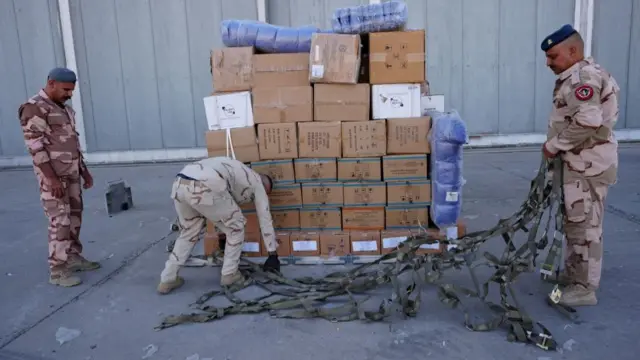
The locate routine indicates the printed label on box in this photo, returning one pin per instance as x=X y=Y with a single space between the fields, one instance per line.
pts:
x=452 y=196
x=251 y=247
x=435 y=246
x=364 y=246
x=305 y=246
x=393 y=242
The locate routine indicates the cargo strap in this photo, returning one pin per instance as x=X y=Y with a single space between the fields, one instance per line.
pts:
x=407 y=271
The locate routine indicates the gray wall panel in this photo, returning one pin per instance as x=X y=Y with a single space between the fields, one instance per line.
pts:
x=306 y=12
x=30 y=45
x=611 y=35
x=633 y=81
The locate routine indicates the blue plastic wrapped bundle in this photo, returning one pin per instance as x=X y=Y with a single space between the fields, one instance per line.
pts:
x=267 y=38
x=386 y=16
x=448 y=135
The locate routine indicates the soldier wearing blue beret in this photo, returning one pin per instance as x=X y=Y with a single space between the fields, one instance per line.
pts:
x=585 y=110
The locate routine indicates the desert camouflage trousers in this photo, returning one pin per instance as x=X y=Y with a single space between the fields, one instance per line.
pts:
x=584 y=202
x=195 y=203
x=65 y=219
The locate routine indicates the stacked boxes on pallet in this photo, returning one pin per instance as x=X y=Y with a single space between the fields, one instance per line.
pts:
x=343 y=138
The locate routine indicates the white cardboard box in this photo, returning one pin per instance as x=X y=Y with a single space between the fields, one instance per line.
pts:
x=432 y=102
x=228 y=111
x=396 y=101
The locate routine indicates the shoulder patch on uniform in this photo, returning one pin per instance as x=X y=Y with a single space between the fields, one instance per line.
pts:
x=584 y=92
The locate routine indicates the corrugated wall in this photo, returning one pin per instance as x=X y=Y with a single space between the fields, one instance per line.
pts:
x=616 y=45
x=144 y=66
x=30 y=45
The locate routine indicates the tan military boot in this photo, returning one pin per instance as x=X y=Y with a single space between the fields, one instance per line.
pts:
x=228 y=280
x=167 y=287
x=578 y=295
x=62 y=276
x=79 y=263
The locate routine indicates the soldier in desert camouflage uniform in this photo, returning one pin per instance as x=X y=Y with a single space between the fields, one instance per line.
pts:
x=211 y=189
x=52 y=141
x=585 y=110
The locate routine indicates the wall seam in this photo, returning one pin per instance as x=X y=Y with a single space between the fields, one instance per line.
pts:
x=123 y=87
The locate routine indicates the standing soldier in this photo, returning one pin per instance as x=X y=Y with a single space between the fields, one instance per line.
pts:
x=211 y=189
x=585 y=110
x=52 y=141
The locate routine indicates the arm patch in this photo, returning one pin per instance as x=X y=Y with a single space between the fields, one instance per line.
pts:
x=584 y=92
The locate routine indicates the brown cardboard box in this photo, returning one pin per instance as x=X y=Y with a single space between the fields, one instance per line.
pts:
x=312 y=219
x=364 y=242
x=277 y=141
x=283 y=238
x=286 y=220
x=275 y=70
x=334 y=243
x=408 y=217
x=252 y=245
x=316 y=169
x=322 y=194
x=305 y=243
x=406 y=193
x=211 y=243
x=360 y=218
x=253 y=224
x=359 y=169
x=391 y=239
x=339 y=102
x=361 y=194
x=285 y=196
x=334 y=58
x=364 y=138
x=232 y=69
x=408 y=136
x=404 y=167
x=397 y=57
x=245 y=143
x=282 y=104
x=280 y=171
x=319 y=139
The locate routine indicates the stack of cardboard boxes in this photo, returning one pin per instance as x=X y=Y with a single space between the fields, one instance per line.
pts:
x=340 y=131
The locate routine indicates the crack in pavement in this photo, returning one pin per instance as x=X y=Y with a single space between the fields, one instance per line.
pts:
x=136 y=254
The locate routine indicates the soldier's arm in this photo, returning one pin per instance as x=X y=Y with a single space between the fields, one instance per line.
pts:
x=34 y=127
x=583 y=102
x=261 y=200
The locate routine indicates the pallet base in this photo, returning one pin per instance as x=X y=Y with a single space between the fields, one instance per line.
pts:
x=297 y=260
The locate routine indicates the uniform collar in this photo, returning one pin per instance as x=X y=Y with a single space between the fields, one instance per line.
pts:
x=43 y=94
x=565 y=74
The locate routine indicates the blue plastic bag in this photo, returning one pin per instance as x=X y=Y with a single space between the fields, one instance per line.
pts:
x=267 y=38
x=386 y=16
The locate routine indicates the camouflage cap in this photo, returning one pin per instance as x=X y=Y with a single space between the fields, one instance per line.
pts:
x=557 y=37
x=62 y=75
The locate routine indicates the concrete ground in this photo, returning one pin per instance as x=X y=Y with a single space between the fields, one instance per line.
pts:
x=116 y=308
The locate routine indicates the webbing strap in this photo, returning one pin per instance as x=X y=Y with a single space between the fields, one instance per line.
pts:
x=308 y=297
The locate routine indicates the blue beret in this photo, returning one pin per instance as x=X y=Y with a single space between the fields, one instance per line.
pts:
x=62 y=75
x=557 y=37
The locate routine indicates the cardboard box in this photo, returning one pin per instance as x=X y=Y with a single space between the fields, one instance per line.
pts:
x=211 y=243
x=391 y=239
x=244 y=140
x=283 y=238
x=252 y=224
x=316 y=169
x=277 y=141
x=322 y=194
x=334 y=58
x=334 y=243
x=364 y=138
x=228 y=110
x=305 y=243
x=285 y=196
x=395 y=101
x=319 y=139
x=397 y=57
x=275 y=70
x=232 y=68
x=408 y=136
x=320 y=219
x=364 y=242
x=404 y=167
x=407 y=193
x=407 y=217
x=252 y=245
x=282 y=104
x=336 y=102
x=359 y=218
x=359 y=169
x=286 y=220
x=361 y=194
x=280 y=171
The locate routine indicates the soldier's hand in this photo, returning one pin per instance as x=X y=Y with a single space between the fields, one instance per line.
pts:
x=57 y=190
x=88 y=180
x=272 y=264
x=547 y=153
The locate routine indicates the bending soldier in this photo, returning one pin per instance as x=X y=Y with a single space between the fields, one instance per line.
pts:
x=211 y=189
x=585 y=110
x=50 y=136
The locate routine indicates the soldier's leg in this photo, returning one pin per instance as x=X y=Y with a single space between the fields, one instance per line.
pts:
x=76 y=261
x=58 y=211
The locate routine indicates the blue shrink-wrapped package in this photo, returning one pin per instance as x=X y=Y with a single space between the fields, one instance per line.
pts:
x=448 y=136
x=267 y=38
x=361 y=19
